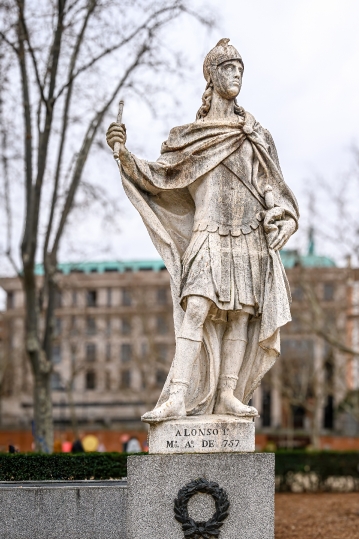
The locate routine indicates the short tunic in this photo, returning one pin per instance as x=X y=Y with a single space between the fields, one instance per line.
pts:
x=229 y=270
x=227 y=258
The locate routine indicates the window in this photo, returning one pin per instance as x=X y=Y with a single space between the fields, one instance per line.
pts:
x=160 y=378
x=11 y=334
x=10 y=300
x=91 y=352
x=108 y=327
x=91 y=298
x=328 y=292
x=328 y=415
x=162 y=326
x=90 y=380
x=126 y=326
x=56 y=382
x=58 y=327
x=298 y=417
x=126 y=378
x=58 y=299
x=108 y=380
x=74 y=328
x=162 y=296
x=74 y=298
x=126 y=297
x=90 y=325
x=298 y=293
x=144 y=350
x=56 y=354
x=266 y=407
x=162 y=351
x=109 y=297
x=108 y=351
x=329 y=370
x=126 y=352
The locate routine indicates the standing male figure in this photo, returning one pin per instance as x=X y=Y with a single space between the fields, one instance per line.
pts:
x=218 y=210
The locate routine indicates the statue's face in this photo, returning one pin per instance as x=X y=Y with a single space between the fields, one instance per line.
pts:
x=227 y=79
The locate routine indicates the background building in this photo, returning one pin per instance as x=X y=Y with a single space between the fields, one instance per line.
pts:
x=114 y=342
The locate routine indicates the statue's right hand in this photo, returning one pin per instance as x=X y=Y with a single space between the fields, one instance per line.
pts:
x=116 y=133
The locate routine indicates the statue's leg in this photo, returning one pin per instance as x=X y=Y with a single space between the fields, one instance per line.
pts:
x=233 y=349
x=188 y=348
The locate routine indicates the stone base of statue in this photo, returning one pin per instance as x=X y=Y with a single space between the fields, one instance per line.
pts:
x=202 y=434
x=210 y=486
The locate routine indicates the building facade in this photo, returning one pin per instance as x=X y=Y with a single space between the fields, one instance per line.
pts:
x=114 y=342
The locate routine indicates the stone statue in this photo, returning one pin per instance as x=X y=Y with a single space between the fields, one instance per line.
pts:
x=218 y=211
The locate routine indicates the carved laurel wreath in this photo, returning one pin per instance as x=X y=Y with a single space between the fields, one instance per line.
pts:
x=210 y=528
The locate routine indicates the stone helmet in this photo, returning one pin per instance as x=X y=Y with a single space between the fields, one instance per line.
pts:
x=222 y=52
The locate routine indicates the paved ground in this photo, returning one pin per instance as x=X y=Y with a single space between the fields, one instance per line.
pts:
x=317 y=516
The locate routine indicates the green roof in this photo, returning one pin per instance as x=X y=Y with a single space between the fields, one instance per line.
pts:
x=106 y=267
x=290 y=259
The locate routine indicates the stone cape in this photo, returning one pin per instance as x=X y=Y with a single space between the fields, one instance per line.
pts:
x=159 y=193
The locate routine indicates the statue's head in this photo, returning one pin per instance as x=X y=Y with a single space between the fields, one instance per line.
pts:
x=223 y=70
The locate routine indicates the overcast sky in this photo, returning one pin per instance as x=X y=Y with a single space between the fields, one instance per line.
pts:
x=301 y=81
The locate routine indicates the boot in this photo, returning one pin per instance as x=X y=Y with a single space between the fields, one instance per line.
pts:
x=174 y=407
x=226 y=402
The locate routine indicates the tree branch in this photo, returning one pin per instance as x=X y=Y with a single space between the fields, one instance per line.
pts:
x=8 y=42
x=45 y=135
x=65 y=116
x=20 y=5
x=120 y=44
x=86 y=145
x=27 y=139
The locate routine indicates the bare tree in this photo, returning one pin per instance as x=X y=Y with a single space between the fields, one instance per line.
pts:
x=315 y=363
x=337 y=225
x=335 y=215
x=55 y=57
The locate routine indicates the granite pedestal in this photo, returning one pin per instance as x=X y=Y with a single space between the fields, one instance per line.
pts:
x=59 y=509
x=247 y=480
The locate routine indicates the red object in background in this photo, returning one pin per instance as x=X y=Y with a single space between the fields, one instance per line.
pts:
x=66 y=447
x=114 y=440
x=124 y=439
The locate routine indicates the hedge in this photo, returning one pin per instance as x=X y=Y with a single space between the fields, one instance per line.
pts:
x=317 y=468
x=62 y=466
x=312 y=471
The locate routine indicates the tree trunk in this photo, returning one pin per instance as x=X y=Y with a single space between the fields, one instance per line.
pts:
x=44 y=431
x=315 y=424
x=72 y=410
x=41 y=367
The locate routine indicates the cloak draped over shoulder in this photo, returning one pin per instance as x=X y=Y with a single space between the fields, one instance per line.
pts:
x=159 y=191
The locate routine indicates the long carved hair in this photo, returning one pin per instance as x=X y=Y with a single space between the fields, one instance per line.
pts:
x=206 y=103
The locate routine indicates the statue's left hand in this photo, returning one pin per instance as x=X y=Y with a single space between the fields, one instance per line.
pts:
x=285 y=229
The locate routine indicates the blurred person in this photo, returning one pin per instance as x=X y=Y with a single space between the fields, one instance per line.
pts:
x=145 y=446
x=101 y=446
x=90 y=443
x=124 y=439
x=66 y=445
x=77 y=446
x=133 y=446
x=57 y=446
